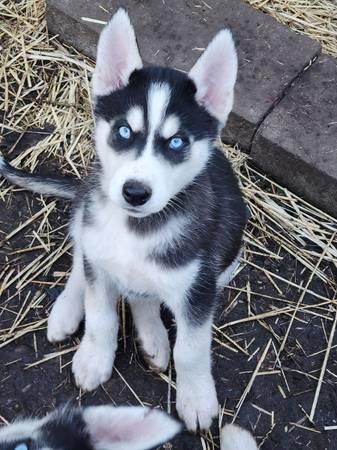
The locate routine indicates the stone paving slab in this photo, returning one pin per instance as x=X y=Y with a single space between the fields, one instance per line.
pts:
x=297 y=142
x=173 y=32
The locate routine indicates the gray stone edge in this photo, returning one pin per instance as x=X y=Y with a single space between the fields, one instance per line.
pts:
x=304 y=179
x=292 y=83
x=53 y=18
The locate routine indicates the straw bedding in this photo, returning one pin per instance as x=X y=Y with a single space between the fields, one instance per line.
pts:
x=274 y=348
x=315 y=18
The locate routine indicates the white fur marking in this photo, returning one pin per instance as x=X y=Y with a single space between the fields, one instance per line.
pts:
x=151 y=331
x=111 y=246
x=234 y=437
x=135 y=118
x=158 y=98
x=68 y=310
x=22 y=430
x=93 y=361
x=197 y=402
x=170 y=127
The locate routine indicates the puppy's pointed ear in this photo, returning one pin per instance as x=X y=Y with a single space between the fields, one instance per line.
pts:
x=117 y=55
x=128 y=428
x=214 y=75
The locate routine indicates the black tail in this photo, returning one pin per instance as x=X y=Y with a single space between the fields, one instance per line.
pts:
x=65 y=187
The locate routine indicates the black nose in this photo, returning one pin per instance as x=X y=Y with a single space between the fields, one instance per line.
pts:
x=136 y=193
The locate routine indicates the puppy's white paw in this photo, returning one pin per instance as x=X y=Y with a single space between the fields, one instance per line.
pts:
x=155 y=346
x=92 y=364
x=197 y=402
x=235 y=437
x=64 y=318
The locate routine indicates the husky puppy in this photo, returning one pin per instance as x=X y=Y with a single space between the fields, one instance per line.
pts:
x=91 y=428
x=159 y=219
x=106 y=428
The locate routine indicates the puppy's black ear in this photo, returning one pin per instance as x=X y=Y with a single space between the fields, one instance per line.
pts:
x=117 y=55
x=214 y=75
x=128 y=428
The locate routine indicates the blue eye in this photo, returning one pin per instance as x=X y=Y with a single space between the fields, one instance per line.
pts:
x=21 y=447
x=176 y=143
x=124 y=132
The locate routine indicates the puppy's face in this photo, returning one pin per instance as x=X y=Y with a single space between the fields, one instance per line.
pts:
x=152 y=139
x=93 y=428
x=156 y=126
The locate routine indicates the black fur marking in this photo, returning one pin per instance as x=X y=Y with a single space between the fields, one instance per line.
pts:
x=202 y=295
x=197 y=207
x=66 y=430
x=12 y=444
x=89 y=272
x=193 y=117
x=217 y=216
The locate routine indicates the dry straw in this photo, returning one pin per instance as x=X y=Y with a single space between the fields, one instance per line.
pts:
x=315 y=18
x=43 y=82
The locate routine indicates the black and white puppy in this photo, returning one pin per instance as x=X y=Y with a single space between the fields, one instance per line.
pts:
x=160 y=218
x=91 y=428
x=105 y=428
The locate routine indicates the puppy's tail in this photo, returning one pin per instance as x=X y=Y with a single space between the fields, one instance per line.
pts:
x=65 y=187
x=234 y=437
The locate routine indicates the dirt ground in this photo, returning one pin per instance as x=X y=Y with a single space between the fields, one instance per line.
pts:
x=274 y=351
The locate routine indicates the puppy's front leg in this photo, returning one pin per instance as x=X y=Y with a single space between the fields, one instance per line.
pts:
x=93 y=361
x=197 y=402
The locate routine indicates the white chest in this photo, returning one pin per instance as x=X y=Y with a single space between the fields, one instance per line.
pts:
x=124 y=255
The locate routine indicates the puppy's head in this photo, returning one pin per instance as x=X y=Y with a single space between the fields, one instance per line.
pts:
x=156 y=126
x=93 y=428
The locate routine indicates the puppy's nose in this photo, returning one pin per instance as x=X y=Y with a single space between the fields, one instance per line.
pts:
x=136 y=193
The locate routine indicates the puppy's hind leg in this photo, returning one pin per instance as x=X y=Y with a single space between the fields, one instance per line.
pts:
x=68 y=310
x=151 y=331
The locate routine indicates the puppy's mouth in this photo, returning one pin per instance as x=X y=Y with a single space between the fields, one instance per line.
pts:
x=135 y=212
x=131 y=209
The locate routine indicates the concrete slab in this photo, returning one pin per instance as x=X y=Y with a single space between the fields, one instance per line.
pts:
x=174 y=31
x=297 y=143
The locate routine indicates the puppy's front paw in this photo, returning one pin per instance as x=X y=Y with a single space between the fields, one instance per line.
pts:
x=155 y=346
x=64 y=318
x=92 y=365
x=197 y=402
